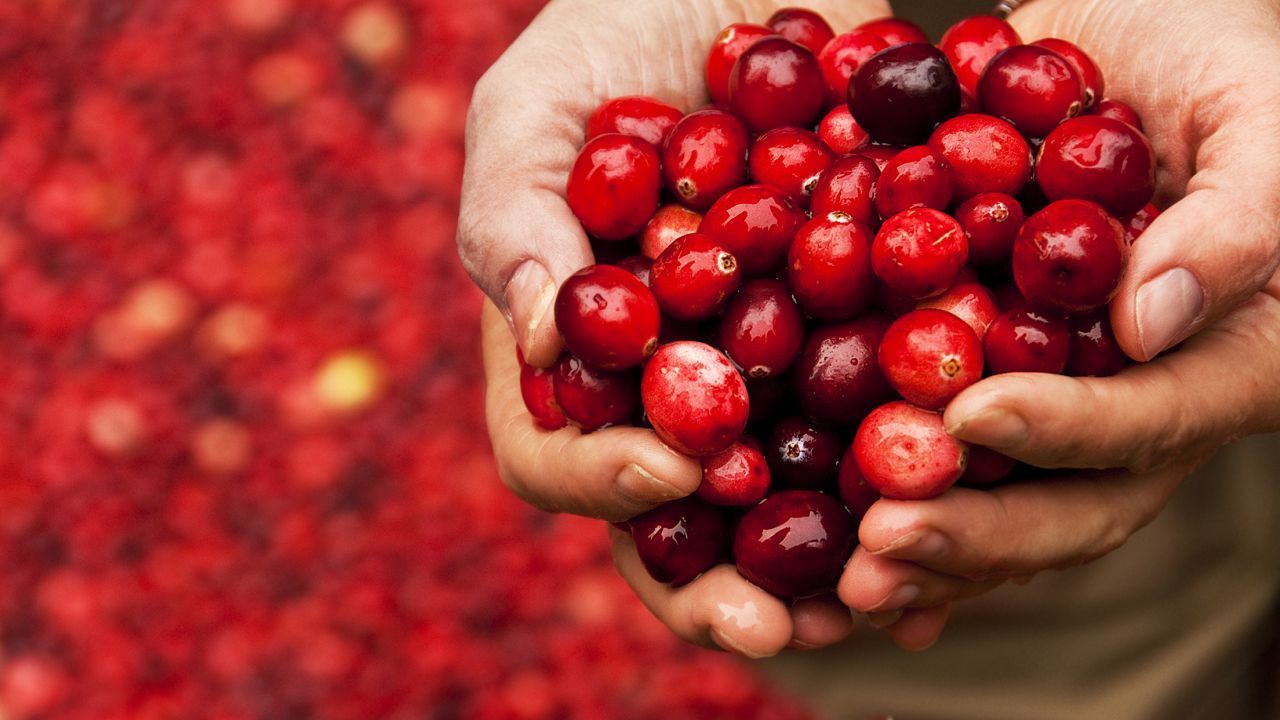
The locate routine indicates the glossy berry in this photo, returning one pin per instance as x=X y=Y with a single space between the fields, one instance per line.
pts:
x=929 y=356
x=840 y=132
x=879 y=154
x=614 y=185
x=971 y=43
x=594 y=399
x=915 y=177
x=635 y=115
x=680 y=540
x=895 y=31
x=791 y=160
x=1117 y=110
x=756 y=223
x=1025 y=340
x=842 y=57
x=919 y=252
x=1099 y=159
x=986 y=467
x=705 y=157
x=829 y=268
x=803 y=455
x=777 y=83
x=607 y=317
x=1032 y=87
x=905 y=453
x=694 y=277
x=794 y=544
x=762 y=329
x=695 y=398
x=640 y=266
x=901 y=94
x=1070 y=255
x=725 y=51
x=857 y=494
x=670 y=223
x=972 y=302
x=802 y=26
x=837 y=376
x=1090 y=73
x=538 y=389
x=736 y=477
x=991 y=222
x=1094 y=350
x=1136 y=224
x=986 y=154
x=847 y=187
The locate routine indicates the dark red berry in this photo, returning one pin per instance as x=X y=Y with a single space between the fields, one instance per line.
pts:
x=1136 y=224
x=802 y=26
x=638 y=265
x=756 y=223
x=895 y=31
x=929 y=356
x=905 y=453
x=614 y=186
x=794 y=544
x=1090 y=73
x=986 y=154
x=1117 y=110
x=901 y=94
x=971 y=43
x=857 y=494
x=919 y=252
x=840 y=132
x=837 y=376
x=695 y=398
x=725 y=51
x=847 y=187
x=705 y=157
x=879 y=154
x=1069 y=255
x=607 y=317
x=803 y=455
x=829 y=268
x=842 y=57
x=1094 y=350
x=777 y=83
x=679 y=541
x=762 y=329
x=1032 y=87
x=986 y=467
x=791 y=160
x=972 y=302
x=635 y=115
x=915 y=177
x=991 y=222
x=538 y=389
x=694 y=277
x=737 y=477
x=594 y=399
x=1099 y=159
x=1024 y=340
x=670 y=223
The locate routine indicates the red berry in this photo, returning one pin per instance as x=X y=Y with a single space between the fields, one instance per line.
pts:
x=829 y=268
x=901 y=94
x=855 y=491
x=802 y=26
x=986 y=154
x=607 y=317
x=670 y=223
x=640 y=266
x=971 y=43
x=1136 y=224
x=791 y=160
x=694 y=277
x=986 y=467
x=1024 y=340
x=1117 y=110
x=1099 y=159
x=538 y=388
x=1031 y=87
x=695 y=398
x=919 y=252
x=777 y=83
x=737 y=477
x=635 y=115
x=991 y=222
x=842 y=57
x=929 y=356
x=1069 y=255
x=1090 y=73
x=762 y=329
x=794 y=544
x=679 y=541
x=705 y=157
x=848 y=187
x=756 y=223
x=594 y=399
x=915 y=177
x=1094 y=350
x=879 y=154
x=725 y=51
x=840 y=132
x=895 y=31
x=802 y=455
x=972 y=302
x=905 y=453
x=837 y=376
x=614 y=185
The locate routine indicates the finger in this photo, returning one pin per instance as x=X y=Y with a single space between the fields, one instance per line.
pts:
x=718 y=609
x=875 y=584
x=614 y=474
x=918 y=629
x=819 y=622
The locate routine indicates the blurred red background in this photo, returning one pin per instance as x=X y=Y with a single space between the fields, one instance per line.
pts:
x=243 y=467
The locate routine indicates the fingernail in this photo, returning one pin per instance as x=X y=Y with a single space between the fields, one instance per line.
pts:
x=1167 y=306
x=994 y=427
x=728 y=644
x=898 y=599
x=642 y=488
x=916 y=545
x=883 y=620
x=530 y=295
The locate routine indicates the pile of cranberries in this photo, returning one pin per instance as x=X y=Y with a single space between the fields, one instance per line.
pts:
x=795 y=280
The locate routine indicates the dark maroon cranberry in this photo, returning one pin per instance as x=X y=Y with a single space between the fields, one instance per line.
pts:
x=1117 y=110
x=756 y=223
x=791 y=160
x=858 y=494
x=971 y=43
x=991 y=222
x=638 y=265
x=594 y=399
x=1025 y=340
x=1090 y=73
x=705 y=157
x=829 y=268
x=919 y=252
x=837 y=376
x=737 y=477
x=803 y=455
x=762 y=329
x=1094 y=350
x=986 y=154
x=694 y=277
x=802 y=26
x=607 y=317
x=1032 y=87
x=848 y=187
x=1136 y=224
x=538 y=389
x=679 y=541
x=770 y=399
x=794 y=544
x=777 y=83
x=1099 y=159
x=842 y=57
x=901 y=94
x=986 y=467
x=1069 y=255
x=915 y=177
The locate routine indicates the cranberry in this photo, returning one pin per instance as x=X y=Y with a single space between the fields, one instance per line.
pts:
x=594 y=399
x=972 y=302
x=1136 y=224
x=986 y=154
x=842 y=57
x=840 y=132
x=614 y=185
x=929 y=356
x=538 y=388
x=1099 y=159
x=895 y=31
x=802 y=26
x=770 y=398
x=1032 y=87
x=736 y=477
x=791 y=160
x=991 y=222
x=640 y=266
x=777 y=83
x=607 y=317
x=847 y=187
x=1117 y=110
x=855 y=491
x=986 y=467
x=1069 y=255
x=694 y=397
x=829 y=268
x=837 y=375
x=1093 y=348
x=895 y=303
x=1090 y=73
x=762 y=329
x=794 y=544
x=634 y=115
x=756 y=223
x=705 y=157
x=901 y=94
x=694 y=277
x=905 y=453
x=1008 y=297
x=971 y=43
x=915 y=177
x=919 y=252
x=670 y=223
x=803 y=455
x=1025 y=340
x=680 y=540
x=725 y=51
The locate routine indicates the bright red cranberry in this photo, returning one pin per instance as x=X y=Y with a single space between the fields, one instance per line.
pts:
x=680 y=540
x=791 y=160
x=614 y=185
x=802 y=26
x=594 y=399
x=991 y=222
x=919 y=252
x=607 y=317
x=971 y=43
x=905 y=453
x=1099 y=159
x=855 y=491
x=705 y=157
x=794 y=544
x=640 y=266
x=986 y=467
x=1069 y=255
x=929 y=356
x=737 y=477
x=840 y=132
x=803 y=455
x=986 y=154
x=1090 y=73
x=670 y=223
x=1094 y=350
x=756 y=223
x=915 y=177
x=879 y=154
x=842 y=57
x=1032 y=87
x=1025 y=340
x=694 y=277
x=777 y=83
x=972 y=302
x=762 y=329
x=695 y=398
x=847 y=187
x=829 y=268
x=837 y=376
x=538 y=388
x=901 y=94
x=634 y=115
x=1136 y=224
x=895 y=31
x=1117 y=110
